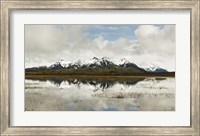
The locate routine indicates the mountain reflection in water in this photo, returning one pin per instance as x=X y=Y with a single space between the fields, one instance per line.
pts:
x=99 y=94
x=99 y=84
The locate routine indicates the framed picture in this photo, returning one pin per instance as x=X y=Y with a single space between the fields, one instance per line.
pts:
x=100 y=67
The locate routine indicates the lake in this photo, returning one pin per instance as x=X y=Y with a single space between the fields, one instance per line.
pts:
x=109 y=94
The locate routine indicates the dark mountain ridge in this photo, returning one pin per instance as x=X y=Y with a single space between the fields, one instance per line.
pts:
x=95 y=66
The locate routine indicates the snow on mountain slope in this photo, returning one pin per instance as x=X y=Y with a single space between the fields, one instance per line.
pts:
x=152 y=68
x=104 y=63
x=59 y=65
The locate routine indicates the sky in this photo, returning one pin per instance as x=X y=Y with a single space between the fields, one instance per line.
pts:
x=144 y=45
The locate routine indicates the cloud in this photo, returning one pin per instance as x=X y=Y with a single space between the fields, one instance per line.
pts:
x=157 y=45
x=46 y=44
x=100 y=42
x=113 y=28
x=153 y=39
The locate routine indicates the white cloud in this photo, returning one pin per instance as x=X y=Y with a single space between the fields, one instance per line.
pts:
x=100 y=42
x=45 y=44
x=155 y=40
x=157 y=44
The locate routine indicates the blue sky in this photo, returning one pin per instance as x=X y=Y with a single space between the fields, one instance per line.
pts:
x=111 y=32
x=114 y=32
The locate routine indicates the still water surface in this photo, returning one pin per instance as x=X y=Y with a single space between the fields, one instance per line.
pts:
x=135 y=94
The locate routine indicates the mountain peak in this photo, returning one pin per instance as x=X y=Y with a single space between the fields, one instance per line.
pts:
x=152 y=68
x=56 y=66
x=79 y=62
x=105 y=58
x=123 y=61
x=59 y=64
x=103 y=63
x=95 y=58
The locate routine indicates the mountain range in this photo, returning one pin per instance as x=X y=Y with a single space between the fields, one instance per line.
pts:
x=97 y=63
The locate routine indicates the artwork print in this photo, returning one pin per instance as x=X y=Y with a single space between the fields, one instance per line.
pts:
x=100 y=67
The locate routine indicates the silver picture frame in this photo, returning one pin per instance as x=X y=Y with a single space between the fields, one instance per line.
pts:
x=7 y=6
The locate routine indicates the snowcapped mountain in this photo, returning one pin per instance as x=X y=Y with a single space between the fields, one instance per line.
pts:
x=127 y=64
x=56 y=66
x=153 y=68
x=93 y=63
x=160 y=70
x=102 y=63
x=123 y=61
x=99 y=63
x=64 y=63
x=59 y=65
x=78 y=64
x=94 y=60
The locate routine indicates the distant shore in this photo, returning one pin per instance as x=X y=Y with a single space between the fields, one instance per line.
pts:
x=136 y=75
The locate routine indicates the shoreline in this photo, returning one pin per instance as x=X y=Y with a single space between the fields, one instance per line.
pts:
x=97 y=76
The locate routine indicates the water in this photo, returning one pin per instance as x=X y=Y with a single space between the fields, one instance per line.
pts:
x=110 y=94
